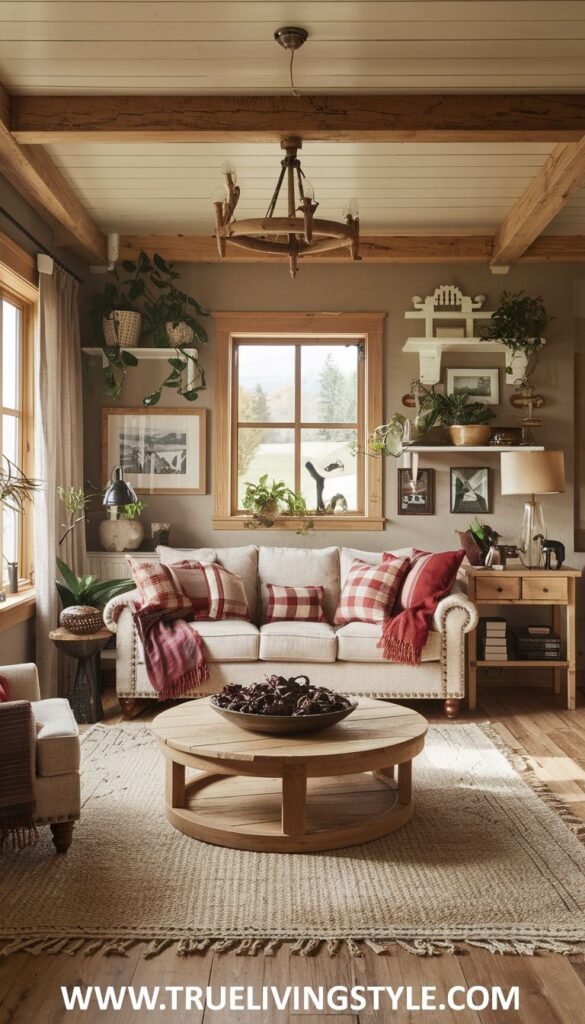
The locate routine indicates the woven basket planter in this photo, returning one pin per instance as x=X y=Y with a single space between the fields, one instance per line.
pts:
x=81 y=619
x=122 y=327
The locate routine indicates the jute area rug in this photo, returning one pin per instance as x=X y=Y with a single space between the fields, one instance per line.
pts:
x=488 y=859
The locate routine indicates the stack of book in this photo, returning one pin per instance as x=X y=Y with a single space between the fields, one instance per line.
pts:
x=537 y=643
x=493 y=635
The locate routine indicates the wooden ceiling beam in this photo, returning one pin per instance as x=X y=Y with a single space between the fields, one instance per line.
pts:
x=36 y=177
x=373 y=249
x=38 y=120
x=559 y=178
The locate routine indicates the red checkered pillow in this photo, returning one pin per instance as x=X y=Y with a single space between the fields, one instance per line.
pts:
x=370 y=591
x=189 y=578
x=156 y=586
x=430 y=575
x=225 y=593
x=301 y=604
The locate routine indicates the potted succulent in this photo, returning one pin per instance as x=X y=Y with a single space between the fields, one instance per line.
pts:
x=519 y=323
x=268 y=502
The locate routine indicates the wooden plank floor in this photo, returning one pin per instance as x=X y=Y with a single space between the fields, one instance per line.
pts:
x=552 y=986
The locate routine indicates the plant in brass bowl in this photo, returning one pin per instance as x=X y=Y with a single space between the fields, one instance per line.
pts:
x=282 y=706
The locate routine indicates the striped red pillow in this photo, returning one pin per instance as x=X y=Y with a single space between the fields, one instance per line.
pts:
x=302 y=604
x=370 y=591
x=430 y=574
x=4 y=690
x=156 y=586
x=225 y=592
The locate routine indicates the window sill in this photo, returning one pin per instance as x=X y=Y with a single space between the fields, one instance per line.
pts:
x=329 y=523
x=17 y=608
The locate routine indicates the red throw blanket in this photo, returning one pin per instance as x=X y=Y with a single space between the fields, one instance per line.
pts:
x=173 y=651
x=17 y=799
x=404 y=636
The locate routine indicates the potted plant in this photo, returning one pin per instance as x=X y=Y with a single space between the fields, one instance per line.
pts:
x=122 y=530
x=16 y=491
x=116 y=327
x=519 y=323
x=87 y=591
x=268 y=502
x=468 y=422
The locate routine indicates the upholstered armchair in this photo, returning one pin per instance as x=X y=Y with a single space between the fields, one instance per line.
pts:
x=56 y=755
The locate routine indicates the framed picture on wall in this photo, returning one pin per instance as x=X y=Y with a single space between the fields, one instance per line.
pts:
x=416 y=497
x=470 y=493
x=481 y=385
x=161 y=451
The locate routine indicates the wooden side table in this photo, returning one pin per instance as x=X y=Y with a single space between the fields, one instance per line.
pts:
x=554 y=589
x=86 y=700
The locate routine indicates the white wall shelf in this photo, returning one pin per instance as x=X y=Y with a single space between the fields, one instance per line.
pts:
x=430 y=351
x=496 y=448
x=155 y=354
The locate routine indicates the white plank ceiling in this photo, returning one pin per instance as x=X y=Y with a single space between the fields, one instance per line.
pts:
x=130 y=46
x=167 y=188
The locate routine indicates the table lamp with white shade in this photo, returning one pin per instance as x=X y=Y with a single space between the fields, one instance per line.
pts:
x=532 y=473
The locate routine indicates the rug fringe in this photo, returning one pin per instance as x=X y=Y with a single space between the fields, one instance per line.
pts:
x=417 y=945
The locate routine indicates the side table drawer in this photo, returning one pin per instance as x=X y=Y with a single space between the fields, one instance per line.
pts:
x=497 y=586
x=544 y=588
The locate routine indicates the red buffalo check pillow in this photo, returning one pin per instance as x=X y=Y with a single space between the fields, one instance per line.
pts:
x=370 y=591
x=225 y=592
x=157 y=587
x=302 y=604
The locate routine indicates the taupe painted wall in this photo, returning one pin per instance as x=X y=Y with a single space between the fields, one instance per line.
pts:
x=389 y=289
x=18 y=644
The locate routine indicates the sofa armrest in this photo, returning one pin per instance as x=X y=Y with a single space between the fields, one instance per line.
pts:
x=466 y=621
x=116 y=606
x=24 y=681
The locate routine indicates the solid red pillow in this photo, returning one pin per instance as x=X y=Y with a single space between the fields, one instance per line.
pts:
x=429 y=575
x=369 y=591
x=4 y=690
x=294 y=604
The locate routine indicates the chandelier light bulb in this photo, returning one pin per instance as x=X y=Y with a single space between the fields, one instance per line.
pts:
x=351 y=208
x=308 y=189
x=229 y=168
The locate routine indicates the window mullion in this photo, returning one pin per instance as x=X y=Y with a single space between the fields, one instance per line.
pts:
x=298 y=406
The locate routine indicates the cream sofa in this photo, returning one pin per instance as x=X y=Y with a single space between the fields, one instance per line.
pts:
x=345 y=658
x=56 y=755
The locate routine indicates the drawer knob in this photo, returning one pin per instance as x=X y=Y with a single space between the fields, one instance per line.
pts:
x=500 y=590
x=545 y=590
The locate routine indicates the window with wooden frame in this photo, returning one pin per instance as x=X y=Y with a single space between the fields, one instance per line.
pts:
x=16 y=403
x=295 y=395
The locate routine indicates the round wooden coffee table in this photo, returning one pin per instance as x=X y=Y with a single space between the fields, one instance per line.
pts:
x=290 y=794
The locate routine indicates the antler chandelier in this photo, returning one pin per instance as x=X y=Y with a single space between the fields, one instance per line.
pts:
x=298 y=234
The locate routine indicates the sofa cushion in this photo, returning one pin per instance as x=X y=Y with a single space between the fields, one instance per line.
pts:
x=226 y=592
x=295 y=641
x=349 y=555
x=57 y=737
x=229 y=640
x=431 y=575
x=301 y=567
x=370 y=591
x=190 y=578
x=170 y=555
x=157 y=586
x=358 y=642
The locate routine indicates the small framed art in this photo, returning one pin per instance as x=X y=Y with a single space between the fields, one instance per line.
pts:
x=161 y=451
x=481 y=385
x=470 y=490
x=416 y=497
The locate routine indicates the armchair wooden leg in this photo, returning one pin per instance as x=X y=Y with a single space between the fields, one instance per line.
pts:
x=62 y=835
x=451 y=707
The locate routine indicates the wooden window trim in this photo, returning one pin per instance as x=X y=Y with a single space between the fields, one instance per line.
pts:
x=228 y=326
x=17 y=608
x=18 y=284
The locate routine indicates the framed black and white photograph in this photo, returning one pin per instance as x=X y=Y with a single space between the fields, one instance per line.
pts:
x=481 y=385
x=416 y=495
x=161 y=451
x=470 y=490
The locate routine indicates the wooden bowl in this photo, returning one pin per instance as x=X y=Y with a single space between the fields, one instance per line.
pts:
x=283 y=725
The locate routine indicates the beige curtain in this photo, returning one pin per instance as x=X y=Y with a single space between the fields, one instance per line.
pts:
x=59 y=458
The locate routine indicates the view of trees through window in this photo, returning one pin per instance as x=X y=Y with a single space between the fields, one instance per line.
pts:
x=298 y=417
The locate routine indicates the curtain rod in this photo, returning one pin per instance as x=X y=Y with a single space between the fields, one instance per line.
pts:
x=39 y=245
